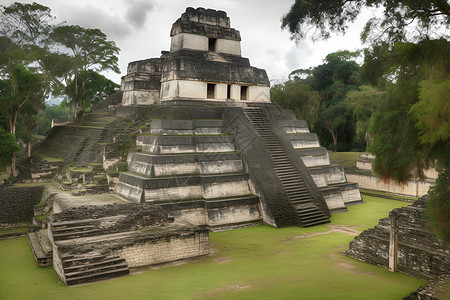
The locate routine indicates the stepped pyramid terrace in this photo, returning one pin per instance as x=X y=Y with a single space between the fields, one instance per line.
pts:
x=215 y=154
x=238 y=159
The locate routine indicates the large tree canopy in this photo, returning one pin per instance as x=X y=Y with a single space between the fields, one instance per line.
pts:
x=36 y=56
x=400 y=20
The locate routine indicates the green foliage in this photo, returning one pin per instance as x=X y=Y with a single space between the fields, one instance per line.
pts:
x=90 y=47
x=27 y=24
x=317 y=95
x=432 y=111
x=299 y=97
x=124 y=148
x=43 y=125
x=90 y=88
x=438 y=207
x=412 y=124
x=8 y=146
x=399 y=17
x=395 y=142
x=364 y=102
x=91 y=53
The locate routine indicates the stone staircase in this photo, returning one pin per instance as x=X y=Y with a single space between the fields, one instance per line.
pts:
x=329 y=178
x=191 y=165
x=307 y=213
x=84 y=269
x=74 y=229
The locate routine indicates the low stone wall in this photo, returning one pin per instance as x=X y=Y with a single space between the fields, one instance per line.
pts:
x=166 y=248
x=217 y=214
x=419 y=253
x=17 y=204
x=371 y=182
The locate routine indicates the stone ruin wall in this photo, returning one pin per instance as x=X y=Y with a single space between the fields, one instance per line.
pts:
x=165 y=249
x=370 y=182
x=142 y=234
x=420 y=253
x=17 y=204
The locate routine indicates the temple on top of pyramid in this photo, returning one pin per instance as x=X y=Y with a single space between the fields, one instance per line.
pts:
x=204 y=63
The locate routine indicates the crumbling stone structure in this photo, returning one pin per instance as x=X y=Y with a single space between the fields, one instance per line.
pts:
x=98 y=242
x=417 y=251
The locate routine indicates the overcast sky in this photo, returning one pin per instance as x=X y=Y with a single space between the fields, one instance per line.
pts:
x=141 y=29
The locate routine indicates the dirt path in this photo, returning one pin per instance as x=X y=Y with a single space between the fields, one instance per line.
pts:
x=333 y=228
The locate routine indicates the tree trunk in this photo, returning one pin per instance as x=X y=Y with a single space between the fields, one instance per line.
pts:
x=29 y=149
x=334 y=140
x=75 y=111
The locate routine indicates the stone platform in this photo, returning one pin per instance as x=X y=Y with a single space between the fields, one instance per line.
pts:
x=91 y=243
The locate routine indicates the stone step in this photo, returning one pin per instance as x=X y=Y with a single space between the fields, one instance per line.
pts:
x=69 y=228
x=316 y=222
x=93 y=269
x=73 y=235
x=97 y=276
x=308 y=213
x=66 y=224
x=283 y=164
x=298 y=192
x=86 y=265
x=300 y=197
x=286 y=173
x=68 y=261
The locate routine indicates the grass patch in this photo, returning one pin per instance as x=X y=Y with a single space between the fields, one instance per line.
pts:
x=33 y=184
x=388 y=195
x=43 y=217
x=346 y=159
x=50 y=159
x=252 y=263
x=79 y=169
x=13 y=230
x=85 y=126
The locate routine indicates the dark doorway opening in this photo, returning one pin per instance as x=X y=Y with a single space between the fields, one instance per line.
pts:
x=212 y=44
x=228 y=91
x=211 y=89
x=244 y=92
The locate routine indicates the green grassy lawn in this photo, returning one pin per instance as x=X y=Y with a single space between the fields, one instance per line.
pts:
x=251 y=263
x=345 y=159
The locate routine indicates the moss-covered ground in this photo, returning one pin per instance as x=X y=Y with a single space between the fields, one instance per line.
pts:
x=345 y=159
x=251 y=263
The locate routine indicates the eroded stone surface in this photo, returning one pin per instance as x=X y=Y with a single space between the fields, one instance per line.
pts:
x=420 y=253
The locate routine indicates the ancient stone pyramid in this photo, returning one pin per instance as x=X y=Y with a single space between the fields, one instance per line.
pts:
x=235 y=158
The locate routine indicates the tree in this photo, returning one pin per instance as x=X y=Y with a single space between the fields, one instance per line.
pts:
x=26 y=24
x=90 y=87
x=408 y=58
x=8 y=146
x=401 y=20
x=90 y=51
x=334 y=79
x=298 y=97
x=24 y=32
x=364 y=102
x=23 y=87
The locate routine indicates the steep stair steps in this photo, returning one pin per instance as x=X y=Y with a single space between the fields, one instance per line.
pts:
x=71 y=230
x=86 y=269
x=308 y=214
